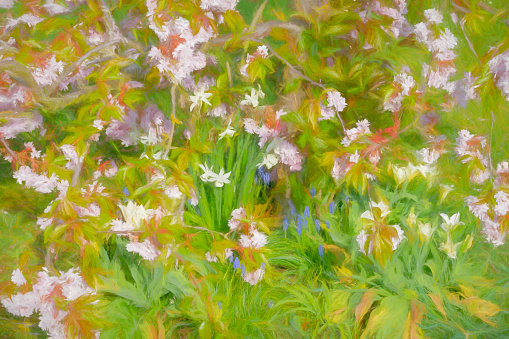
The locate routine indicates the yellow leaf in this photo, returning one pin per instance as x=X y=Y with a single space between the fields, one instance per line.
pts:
x=438 y=303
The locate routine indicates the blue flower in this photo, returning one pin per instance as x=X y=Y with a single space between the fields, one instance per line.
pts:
x=126 y=191
x=292 y=207
x=317 y=224
x=243 y=270
x=312 y=192
x=236 y=263
x=320 y=250
x=285 y=224
x=331 y=207
x=219 y=304
x=262 y=266
x=300 y=223
x=264 y=176
x=270 y=304
x=327 y=223
x=306 y=212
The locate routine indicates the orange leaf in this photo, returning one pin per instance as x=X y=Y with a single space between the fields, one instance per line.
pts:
x=364 y=306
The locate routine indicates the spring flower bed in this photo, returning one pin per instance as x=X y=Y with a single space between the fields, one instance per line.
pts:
x=254 y=169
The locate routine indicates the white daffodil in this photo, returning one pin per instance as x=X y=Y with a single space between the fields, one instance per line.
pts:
x=229 y=131
x=450 y=223
x=449 y=247
x=222 y=178
x=200 y=97
x=269 y=160
x=426 y=230
x=251 y=99
x=208 y=175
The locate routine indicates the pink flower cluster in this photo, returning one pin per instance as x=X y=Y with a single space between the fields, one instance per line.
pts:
x=70 y=286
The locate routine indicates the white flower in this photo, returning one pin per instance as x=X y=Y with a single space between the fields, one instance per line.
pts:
x=355 y=157
x=134 y=214
x=336 y=100
x=18 y=278
x=251 y=99
x=452 y=222
x=200 y=97
x=269 y=161
x=258 y=239
x=173 y=192
x=449 y=247
x=426 y=230
x=433 y=16
x=22 y=305
x=208 y=173
x=222 y=178
x=229 y=131
x=361 y=240
x=254 y=276
x=210 y=258
x=397 y=240
x=209 y=176
x=146 y=249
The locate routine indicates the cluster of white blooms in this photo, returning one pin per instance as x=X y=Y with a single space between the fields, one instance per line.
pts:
x=219 y=6
x=237 y=215
x=354 y=133
x=92 y=210
x=261 y=52
x=220 y=111
x=30 y=19
x=335 y=104
x=48 y=72
x=336 y=101
x=264 y=132
x=406 y=82
x=344 y=164
x=399 y=25
x=254 y=276
x=502 y=174
x=433 y=16
x=71 y=155
x=288 y=154
x=499 y=67
x=12 y=94
x=70 y=285
x=255 y=239
x=491 y=226
x=468 y=147
x=152 y=125
x=40 y=182
x=177 y=54
x=14 y=126
x=442 y=47
x=147 y=250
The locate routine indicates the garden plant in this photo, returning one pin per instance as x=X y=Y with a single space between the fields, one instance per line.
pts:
x=254 y=169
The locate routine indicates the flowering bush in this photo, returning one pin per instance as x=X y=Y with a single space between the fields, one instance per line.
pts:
x=206 y=168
